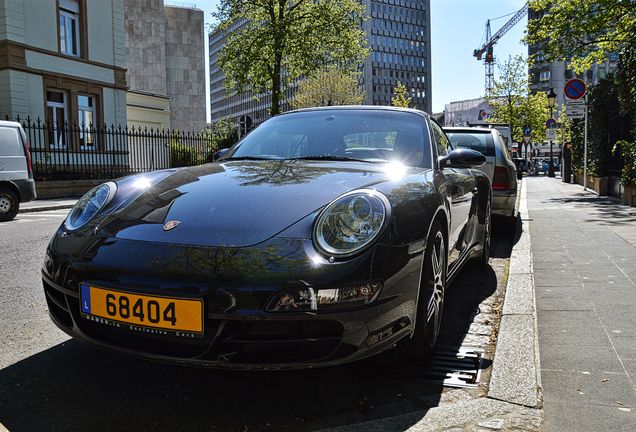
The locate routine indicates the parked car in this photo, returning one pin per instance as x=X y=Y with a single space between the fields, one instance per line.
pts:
x=16 y=172
x=322 y=237
x=499 y=168
x=521 y=165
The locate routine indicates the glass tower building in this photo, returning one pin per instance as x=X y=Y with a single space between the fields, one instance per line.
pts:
x=398 y=34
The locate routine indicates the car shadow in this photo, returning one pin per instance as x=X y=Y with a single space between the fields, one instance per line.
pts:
x=73 y=386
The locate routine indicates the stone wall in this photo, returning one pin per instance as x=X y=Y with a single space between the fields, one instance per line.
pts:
x=185 y=67
x=145 y=46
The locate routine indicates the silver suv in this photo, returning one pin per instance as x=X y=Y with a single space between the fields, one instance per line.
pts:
x=499 y=167
x=16 y=172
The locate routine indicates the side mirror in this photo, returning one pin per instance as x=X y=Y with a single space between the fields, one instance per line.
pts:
x=462 y=158
x=219 y=154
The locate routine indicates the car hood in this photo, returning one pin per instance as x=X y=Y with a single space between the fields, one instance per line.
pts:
x=237 y=203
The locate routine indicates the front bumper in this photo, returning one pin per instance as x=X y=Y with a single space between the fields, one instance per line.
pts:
x=245 y=336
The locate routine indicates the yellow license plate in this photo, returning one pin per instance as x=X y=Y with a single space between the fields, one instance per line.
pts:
x=174 y=314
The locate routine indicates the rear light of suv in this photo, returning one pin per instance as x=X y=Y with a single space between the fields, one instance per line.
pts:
x=27 y=153
x=502 y=179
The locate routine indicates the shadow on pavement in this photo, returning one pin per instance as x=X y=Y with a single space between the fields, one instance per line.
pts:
x=73 y=386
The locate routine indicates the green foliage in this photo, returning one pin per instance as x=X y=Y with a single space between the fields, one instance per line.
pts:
x=582 y=31
x=222 y=134
x=287 y=39
x=511 y=103
x=401 y=98
x=183 y=155
x=330 y=86
x=627 y=150
x=577 y=140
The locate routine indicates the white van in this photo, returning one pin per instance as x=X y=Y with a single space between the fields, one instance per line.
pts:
x=16 y=172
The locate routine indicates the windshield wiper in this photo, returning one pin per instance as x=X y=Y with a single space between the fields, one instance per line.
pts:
x=333 y=158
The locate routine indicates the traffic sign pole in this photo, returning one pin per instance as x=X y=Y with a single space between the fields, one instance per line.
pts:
x=585 y=149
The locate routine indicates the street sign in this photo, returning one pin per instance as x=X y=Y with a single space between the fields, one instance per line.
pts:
x=526 y=139
x=575 y=109
x=527 y=131
x=574 y=89
x=550 y=134
x=550 y=123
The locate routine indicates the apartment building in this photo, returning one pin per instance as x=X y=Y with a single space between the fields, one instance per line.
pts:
x=63 y=61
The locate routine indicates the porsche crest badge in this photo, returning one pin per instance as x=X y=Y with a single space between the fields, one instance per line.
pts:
x=171 y=225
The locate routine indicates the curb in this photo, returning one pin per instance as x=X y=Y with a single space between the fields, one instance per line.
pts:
x=516 y=372
x=46 y=208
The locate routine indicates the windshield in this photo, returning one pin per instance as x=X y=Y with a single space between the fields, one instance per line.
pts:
x=480 y=141
x=352 y=134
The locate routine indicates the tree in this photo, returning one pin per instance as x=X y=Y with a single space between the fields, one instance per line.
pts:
x=582 y=31
x=278 y=41
x=508 y=93
x=330 y=86
x=401 y=98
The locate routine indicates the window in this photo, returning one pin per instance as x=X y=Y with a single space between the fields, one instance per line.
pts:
x=69 y=14
x=544 y=76
x=441 y=141
x=56 y=112
x=86 y=121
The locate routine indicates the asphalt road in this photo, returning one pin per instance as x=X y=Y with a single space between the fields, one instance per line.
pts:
x=49 y=382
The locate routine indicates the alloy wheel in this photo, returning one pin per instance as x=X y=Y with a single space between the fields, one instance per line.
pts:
x=436 y=302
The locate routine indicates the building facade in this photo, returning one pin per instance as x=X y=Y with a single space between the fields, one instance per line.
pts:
x=471 y=111
x=63 y=61
x=398 y=34
x=166 y=69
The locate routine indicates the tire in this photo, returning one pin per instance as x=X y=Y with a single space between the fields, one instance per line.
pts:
x=430 y=303
x=485 y=252
x=9 y=204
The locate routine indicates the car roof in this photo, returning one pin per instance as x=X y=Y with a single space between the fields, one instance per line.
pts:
x=468 y=129
x=9 y=123
x=360 y=107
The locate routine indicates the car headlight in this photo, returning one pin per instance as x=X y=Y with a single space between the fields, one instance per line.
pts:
x=351 y=222
x=89 y=205
x=308 y=299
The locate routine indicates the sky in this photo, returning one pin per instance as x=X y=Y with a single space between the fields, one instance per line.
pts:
x=457 y=28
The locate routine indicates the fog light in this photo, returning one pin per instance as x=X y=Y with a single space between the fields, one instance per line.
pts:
x=314 y=299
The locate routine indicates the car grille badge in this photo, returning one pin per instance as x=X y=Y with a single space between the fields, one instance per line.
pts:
x=171 y=225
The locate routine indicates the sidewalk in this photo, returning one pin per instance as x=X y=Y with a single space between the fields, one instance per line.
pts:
x=584 y=255
x=47 y=204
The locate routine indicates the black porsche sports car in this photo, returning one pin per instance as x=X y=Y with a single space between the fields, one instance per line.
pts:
x=324 y=236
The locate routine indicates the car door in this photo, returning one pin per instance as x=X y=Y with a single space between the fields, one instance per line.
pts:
x=13 y=164
x=459 y=190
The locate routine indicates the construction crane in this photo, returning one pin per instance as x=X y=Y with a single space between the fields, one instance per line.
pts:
x=489 y=60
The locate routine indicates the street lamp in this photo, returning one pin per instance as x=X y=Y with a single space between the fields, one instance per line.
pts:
x=552 y=97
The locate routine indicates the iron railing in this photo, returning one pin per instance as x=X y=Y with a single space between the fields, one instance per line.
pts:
x=64 y=151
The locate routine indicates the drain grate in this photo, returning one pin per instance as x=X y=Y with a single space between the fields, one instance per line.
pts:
x=455 y=366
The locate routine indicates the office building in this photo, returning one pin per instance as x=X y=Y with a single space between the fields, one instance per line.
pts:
x=398 y=33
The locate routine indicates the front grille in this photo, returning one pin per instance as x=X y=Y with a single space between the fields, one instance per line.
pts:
x=277 y=341
x=58 y=307
x=165 y=345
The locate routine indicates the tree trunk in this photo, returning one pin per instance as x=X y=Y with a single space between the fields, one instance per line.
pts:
x=275 y=108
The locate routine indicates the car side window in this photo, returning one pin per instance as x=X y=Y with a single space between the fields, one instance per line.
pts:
x=441 y=140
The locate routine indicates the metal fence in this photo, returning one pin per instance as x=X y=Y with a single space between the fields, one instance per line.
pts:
x=64 y=151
